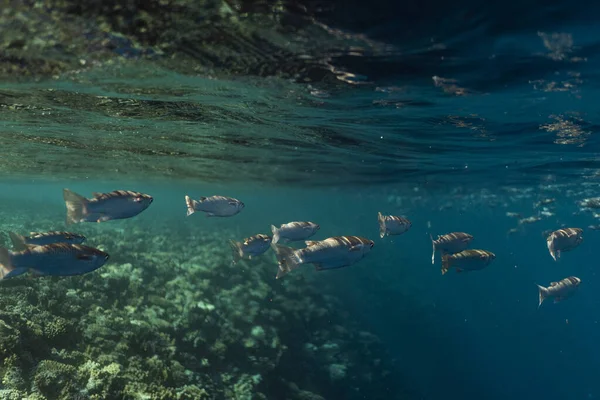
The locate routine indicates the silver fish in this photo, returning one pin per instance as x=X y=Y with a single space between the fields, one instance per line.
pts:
x=293 y=231
x=118 y=204
x=20 y=242
x=560 y=290
x=593 y=202
x=467 y=260
x=529 y=220
x=450 y=243
x=56 y=259
x=331 y=253
x=513 y=214
x=214 y=206
x=250 y=247
x=544 y=202
x=563 y=240
x=392 y=225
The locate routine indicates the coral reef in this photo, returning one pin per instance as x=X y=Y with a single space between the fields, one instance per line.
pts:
x=170 y=317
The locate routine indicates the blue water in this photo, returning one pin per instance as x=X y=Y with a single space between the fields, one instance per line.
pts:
x=449 y=114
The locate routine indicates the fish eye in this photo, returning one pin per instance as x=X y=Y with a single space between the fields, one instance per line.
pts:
x=106 y=257
x=372 y=244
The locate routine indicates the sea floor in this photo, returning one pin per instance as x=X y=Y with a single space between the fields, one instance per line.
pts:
x=170 y=317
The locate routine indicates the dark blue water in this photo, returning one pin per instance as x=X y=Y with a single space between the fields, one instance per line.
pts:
x=451 y=114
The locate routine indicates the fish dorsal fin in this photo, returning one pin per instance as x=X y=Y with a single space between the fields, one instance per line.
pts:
x=18 y=241
x=553 y=284
x=310 y=242
x=202 y=198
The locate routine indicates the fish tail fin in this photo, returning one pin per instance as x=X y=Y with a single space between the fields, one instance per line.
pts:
x=433 y=252
x=18 y=241
x=236 y=250
x=543 y=293
x=191 y=205
x=381 y=221
x=76 y=206
x=445 y=263
x=275 y=234
x=6 y=266
x=287 y=259
x=552 y=251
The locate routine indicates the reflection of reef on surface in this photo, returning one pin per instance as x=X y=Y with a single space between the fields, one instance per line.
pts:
x=171 y=318
x=46 y=38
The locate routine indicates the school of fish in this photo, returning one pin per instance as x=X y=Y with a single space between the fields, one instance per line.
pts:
x=59 y=253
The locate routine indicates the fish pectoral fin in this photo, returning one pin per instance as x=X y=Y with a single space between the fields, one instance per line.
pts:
x=354 y=248
x=232 y=203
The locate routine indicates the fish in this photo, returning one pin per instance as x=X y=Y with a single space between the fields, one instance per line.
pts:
x=331 y=253
x=529 y=220
x=20 y=242
x=118 y=204
x=467 y=260
x=593 y=202
x=450 y=243
x=560 y=290
x=513 y=215
x=214 y=206
x=543 y=202
x=250 y=247
x=55 y=259
x=392 y=225
x=294 y=231
x=562 y=240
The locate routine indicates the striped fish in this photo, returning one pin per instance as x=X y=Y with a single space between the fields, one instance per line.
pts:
x=467 y=260
x=118 y=204
x=56 y=259
x=563 y=240
x=450 y=243
x=331 y=253
x=214 y=206
x=392 y=225
x=42 y=238
x=250 y=247
x=560 y=290
x=293 y=231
